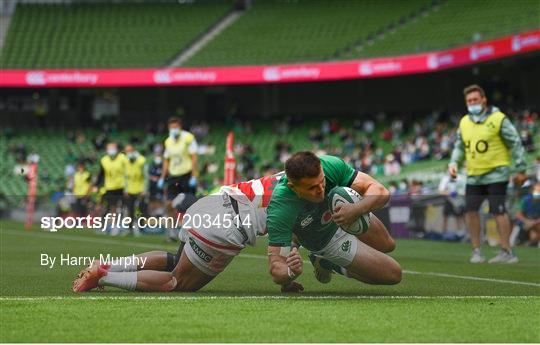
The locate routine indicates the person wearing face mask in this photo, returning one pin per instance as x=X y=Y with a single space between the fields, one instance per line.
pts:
x=179 y=166
x=135 y=182
x=487 y=142
x=529 y=214
x=81 y=188
x=112 y=178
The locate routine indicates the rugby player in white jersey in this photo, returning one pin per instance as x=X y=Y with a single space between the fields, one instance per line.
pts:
x=216 y=228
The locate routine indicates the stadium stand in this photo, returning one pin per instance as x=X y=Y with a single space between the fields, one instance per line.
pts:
x=451 y=23
x=258 y=147
x=56 y=151
x=151 y=35
x=314 y=30
x=105 y=35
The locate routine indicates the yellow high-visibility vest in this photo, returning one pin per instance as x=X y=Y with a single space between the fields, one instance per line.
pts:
x=81 y=184
x=115 y=171
x=135 y=175
x=484 y=146
x=178 y=153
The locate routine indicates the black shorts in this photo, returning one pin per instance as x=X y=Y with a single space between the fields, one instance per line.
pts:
x=113 y=197
x=177 y=185
x=452 y=210
x=154 y=192
x=131 y=202
x=80 y=206
x=494 y=192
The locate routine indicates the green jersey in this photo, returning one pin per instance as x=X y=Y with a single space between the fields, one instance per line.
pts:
x=310 y=222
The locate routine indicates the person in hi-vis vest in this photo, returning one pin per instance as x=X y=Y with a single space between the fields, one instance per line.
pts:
x=135 y=183
x=179 y=166
x=487 y=142
x=81 y=188
x=112 y=177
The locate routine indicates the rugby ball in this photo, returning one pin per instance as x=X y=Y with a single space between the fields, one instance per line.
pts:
x=341 y=195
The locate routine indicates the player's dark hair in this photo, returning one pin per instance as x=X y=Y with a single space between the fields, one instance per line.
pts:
x=174 y=119
x=302 y=164
x=474 y=88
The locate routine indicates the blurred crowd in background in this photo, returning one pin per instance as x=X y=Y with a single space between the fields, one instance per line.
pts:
x=384 y=151
x=374 y=149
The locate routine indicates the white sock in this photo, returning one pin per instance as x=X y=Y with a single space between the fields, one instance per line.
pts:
x=344 y=271
x=125 y=264
x=122 y=280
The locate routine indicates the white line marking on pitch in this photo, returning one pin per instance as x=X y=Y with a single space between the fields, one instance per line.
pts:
x=492 y=280
x=257 y=297
x=435 y=274
x=248 y=256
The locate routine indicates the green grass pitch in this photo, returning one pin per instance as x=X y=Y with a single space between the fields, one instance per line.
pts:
x=442 y=298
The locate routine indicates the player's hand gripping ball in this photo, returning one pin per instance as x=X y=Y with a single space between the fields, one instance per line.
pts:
x=345 y=195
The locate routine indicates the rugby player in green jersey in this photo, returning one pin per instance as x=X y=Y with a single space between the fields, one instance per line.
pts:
x=299 y=206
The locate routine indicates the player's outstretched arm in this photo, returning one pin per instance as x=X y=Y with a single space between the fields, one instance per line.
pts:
x=375 y=195
x=284 y=269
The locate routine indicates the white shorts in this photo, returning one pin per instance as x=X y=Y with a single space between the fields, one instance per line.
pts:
x=341 y=249
x=211 y=246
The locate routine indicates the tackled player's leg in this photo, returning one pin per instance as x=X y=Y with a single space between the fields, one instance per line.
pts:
x=152 y=277
x=150 y=271
x=373 y=267
x=207 y=252
x=200 y=261
x=377 y=236
x=186 y=277
x=347 y=255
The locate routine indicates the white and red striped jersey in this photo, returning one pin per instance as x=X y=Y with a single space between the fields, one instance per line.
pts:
x=254 y=195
